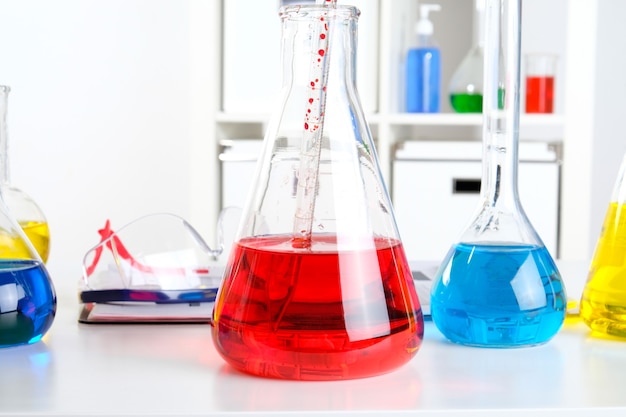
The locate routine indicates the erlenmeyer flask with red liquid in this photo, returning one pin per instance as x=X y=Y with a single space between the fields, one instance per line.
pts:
x=317 y=285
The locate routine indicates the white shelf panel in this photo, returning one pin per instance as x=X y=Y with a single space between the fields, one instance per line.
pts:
x=411 y=119
x=462 y=119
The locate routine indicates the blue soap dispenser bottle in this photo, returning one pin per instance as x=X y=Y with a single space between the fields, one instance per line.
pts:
x=423 y=67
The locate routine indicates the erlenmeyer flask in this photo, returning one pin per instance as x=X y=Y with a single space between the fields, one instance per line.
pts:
x=23 y=208
x=466 y=85
x=603 y=302
x=27 y=297
x=317 y=286
x=499 y=286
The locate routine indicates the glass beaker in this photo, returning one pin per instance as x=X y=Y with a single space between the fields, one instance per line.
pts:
x=23 y=208
x=317 y=286
x=27 y=296
x=499 y=286
x=603 y=302
x=540 y=74
x=466 y=85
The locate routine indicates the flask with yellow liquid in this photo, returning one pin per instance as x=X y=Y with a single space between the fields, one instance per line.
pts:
x=23 y=208
x=603 y=302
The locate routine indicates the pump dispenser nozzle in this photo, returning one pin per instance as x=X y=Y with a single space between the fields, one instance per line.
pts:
x=424 y=26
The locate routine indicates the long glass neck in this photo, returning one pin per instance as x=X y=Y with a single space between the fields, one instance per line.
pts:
x=479 y=23
x=501 y=101
x=4 y=140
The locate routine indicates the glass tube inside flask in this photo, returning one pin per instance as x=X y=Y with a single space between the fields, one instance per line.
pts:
x=499 y=286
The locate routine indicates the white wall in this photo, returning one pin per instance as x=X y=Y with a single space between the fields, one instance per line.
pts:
x=594 y=136
x=609 y=137
x=103 y=97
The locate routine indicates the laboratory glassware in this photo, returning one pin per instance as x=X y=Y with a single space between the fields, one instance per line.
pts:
x=27 y=296
x=423 y=67
x=317 y=286
x=499 y=286
x=156 y=269
x=23 y=208
x=540 y=74
x=466 y=85
x=603 y=302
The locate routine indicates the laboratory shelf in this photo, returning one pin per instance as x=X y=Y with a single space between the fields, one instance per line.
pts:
x=462 y=119
x=579 y=130
x=174 y=370
x=435 y=119
x=245 y=120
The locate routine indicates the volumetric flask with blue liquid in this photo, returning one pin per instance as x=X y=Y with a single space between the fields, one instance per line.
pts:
x=498 y=286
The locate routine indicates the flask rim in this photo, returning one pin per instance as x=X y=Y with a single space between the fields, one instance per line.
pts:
x=306 y=11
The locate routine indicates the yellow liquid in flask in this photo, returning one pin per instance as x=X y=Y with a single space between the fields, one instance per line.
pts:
x=603 y=303
x=39 y=235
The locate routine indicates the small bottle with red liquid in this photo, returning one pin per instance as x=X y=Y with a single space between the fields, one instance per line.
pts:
x=540 y=72
x=317 y=285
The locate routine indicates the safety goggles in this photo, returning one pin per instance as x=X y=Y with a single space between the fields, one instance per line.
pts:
x=156 y=268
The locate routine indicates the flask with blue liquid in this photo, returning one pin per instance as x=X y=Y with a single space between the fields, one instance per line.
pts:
x=499 y=286
x=423 y=67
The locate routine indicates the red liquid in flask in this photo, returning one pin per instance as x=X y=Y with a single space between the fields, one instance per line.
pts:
x=539 y=94
x=317 y=313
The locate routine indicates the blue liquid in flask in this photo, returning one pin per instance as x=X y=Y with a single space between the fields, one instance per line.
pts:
x=498 y=296
x=27 y=302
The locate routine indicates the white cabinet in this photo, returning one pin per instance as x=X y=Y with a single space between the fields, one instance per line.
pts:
x=238 y=164
x=436 y=186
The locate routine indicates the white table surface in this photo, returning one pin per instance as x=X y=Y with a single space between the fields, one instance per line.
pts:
x=95 y=369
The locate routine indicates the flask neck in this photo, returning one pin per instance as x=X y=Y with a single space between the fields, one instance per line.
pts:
x=479 y=24
x=500 y=168
x=4 y=137
x=501 y=102
x=619 y=189
x=302 y=59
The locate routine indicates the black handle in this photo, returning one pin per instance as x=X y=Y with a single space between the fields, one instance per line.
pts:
x=465 y=186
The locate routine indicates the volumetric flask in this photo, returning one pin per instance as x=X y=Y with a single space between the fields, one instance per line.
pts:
x=466 y=84
x=317 y=285
x=24 y=209
x=27 y=298
x=499 y=286
x=603 y=303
